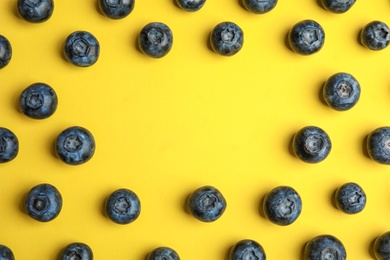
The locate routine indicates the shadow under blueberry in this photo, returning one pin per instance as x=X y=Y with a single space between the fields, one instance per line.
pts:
x=227 y=253
x=97 y=7
x=319 y=3
x=21 y=201
x=260 y=206
x=321 y=94
x=136 y=44
x=241 y=4
x=174 y=2
x=286 y=40
x=302 y=252
x=185 y=204
x=358 y=38
x=364 y=147
x=333 y=200
x=208 y=42
x=290 y=145
x=371 y=248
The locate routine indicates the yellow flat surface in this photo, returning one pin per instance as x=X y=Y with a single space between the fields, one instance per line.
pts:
x=165 y=127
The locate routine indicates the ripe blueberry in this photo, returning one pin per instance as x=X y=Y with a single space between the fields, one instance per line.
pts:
x=9 y=145
x=227 y=38
x=350 y=198
x=191 y=5
x=77 y=250
x=341 y=91
x=5 y=51
x=123 y=206
x=35 y=11
x=155 y=40
x=337 y=6
x=378 y=145
x=306 y=37
x=259 y=6
x=206 y=204
x=116 y=9
x=247 y=249
x=43 y=202
x=382 y=247
x=282 y=205
x=82 y=49
x=6 y=253
x=38 y=101
x=311 y=144
x=165 y=253
x=75 y=145
x=375 y=35
x=325 y=247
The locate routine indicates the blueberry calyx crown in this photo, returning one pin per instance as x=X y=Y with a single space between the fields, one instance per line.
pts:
x=113 y=3
x=73 y=143
x=80 y=47
x=122 y=205
x=314 y=144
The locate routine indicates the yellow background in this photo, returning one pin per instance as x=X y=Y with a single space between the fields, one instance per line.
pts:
x=166 y=127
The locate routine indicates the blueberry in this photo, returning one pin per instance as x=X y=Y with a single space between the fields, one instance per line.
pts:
x=227 y=38
x=337 y=6
x=82 y=49
x=123 y=206
x=75 y=145
x=311 y=144
x=9 y=145
x=116 y=9
x=378 y=145
x=341 y=91
x=206 y=204
x=38 y=101
x=247 y=250
x=5 y=51
x=155 y=40
x=163 y=253
x=350 y=198
x=6 y=253
x=325 y=247
x=43 y=202
x=375 y=35
x=282 y=205
x=77 y=251
x=382 y=247
x=306 y=37
x=35 y=11
x=191 y=5
x=259 y=6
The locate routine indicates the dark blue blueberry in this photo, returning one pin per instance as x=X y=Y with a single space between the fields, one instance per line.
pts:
x=123 y=206
x=311 y=144
x=9 y=145
x=306 y=37
x=259 y=6
x=38 y=101
x=382 y=247
x=325 y=247
x=227 y=38
x=75 y=145
x=155 y=40
x=35 y=11
x=5 y=51
x=247 y=250
x=337 y=6
x=43 y=202
x=163 y=253
x=375 y=36
x=77 y=251
x=282 y=205
x=191 y=5
x=378 y=145
x=206 y=204
x=341 y=91
x=350 y=198
x=6 y=253
x=116 y=9
x=82 y=49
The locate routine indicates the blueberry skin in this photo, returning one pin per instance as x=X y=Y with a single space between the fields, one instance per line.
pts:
x=341 y=91
x=43 y=202
x=155 y=40
x=5 y=51
x=337 y=6
x=378 y=145
x=75 y=145
x=306 y=37
x=206 y=204
x=350 y=198
x=227 y=38
x=381 y=247
x=247 y=249
x=9 y=145
x=375 y=36
x=35 y=11
x=38 y=101
x=311 y=144
x=163 y=253
x=78 y=251
x=116 y=9
x=325 y=247
x=282 y=205
x=6 y=253
x=191 y=5
x=259 y=7
x=123 y=206
x=82 y=49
